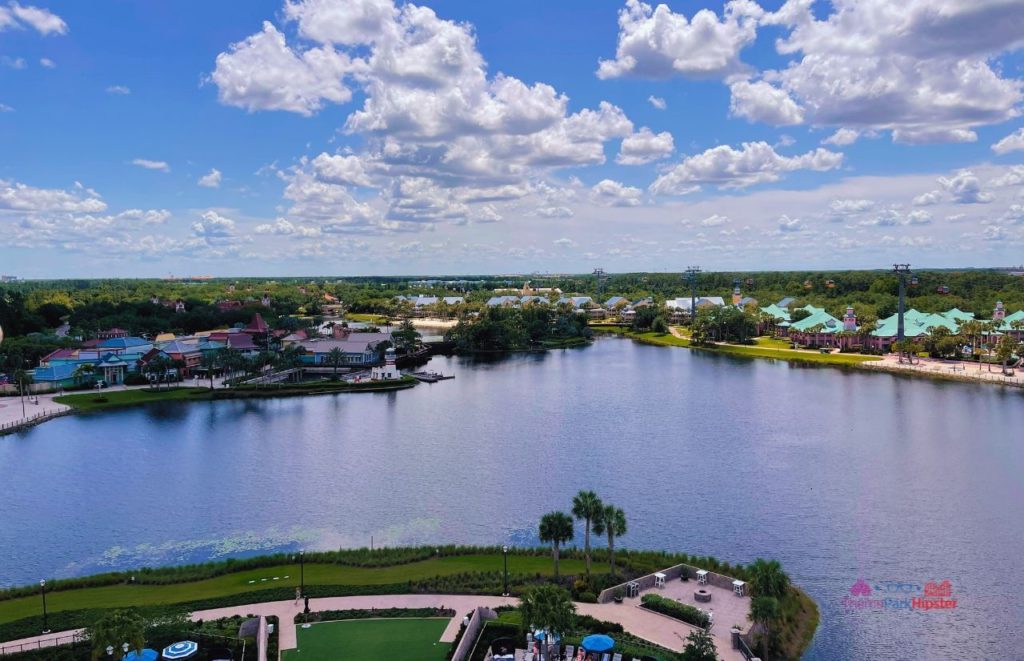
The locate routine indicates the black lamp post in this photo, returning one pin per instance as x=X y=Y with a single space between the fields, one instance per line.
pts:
x=504 y=551
x=302 y=573
x=42 y=591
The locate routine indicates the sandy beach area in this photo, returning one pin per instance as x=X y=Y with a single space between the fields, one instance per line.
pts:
x=434 y=322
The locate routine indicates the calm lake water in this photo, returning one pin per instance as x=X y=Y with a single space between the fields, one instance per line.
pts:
x=839 y=475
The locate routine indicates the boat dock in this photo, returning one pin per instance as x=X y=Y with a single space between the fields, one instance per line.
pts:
x=430 y=377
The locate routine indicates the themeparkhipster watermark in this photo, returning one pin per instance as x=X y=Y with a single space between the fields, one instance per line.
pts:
x=900 y=595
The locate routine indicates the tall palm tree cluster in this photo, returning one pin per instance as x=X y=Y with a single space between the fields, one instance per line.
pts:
x=770 y=585
x=556 y=527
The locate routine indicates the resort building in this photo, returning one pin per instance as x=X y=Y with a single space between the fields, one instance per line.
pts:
x=356 y=349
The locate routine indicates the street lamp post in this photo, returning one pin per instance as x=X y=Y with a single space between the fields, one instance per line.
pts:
x=902 y=271
x=504 y=551
x=302 y=573
x=42 y=591
x=691 y=276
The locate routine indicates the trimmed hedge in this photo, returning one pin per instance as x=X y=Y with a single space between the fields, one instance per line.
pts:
x=684 y=612
x=372 y=613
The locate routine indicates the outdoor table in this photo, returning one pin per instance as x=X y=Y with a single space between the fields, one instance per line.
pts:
x=659 y=580
x=633 y=589
x=702 y=576
x=739 y=587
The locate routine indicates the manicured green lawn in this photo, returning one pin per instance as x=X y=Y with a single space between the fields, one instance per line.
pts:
x=115 y=399
x=769 y=348
x=395 y=639
x=365 y=318
x=316 y=574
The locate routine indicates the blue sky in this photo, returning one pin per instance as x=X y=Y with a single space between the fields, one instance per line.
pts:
x=372 y=137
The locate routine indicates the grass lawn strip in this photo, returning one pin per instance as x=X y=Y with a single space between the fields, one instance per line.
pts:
x=114 y=596
x=766 y=349
x=395 y=639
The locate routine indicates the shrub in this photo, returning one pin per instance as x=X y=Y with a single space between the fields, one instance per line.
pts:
x=587 y=597
x=683 y=612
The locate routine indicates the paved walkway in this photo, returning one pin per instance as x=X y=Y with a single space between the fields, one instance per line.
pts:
x=961 y=370
x=653 y=627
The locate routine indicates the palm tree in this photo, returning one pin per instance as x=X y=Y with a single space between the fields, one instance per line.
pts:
x=84 y=371
x=768 y=579
x=158 y=366
x=1004 y=350
x=586 y=506
x=210 y=361
x=335 y=357
x=556 y=527
x=115 y=629
x=611 y=521
x=548 y=607
x=764 y=611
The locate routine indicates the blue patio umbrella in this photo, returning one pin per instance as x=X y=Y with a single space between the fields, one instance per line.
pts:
x=181 y=650
x=542 y=635
x=597 y=642
x=145 y=655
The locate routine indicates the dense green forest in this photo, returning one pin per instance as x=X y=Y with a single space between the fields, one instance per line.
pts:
x=510 y=329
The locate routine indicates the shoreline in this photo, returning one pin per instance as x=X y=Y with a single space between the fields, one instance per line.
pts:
x=858 y=362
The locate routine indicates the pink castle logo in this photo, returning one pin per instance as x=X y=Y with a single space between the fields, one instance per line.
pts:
x=860 y=588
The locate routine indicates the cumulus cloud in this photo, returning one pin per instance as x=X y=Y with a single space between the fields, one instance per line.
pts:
x=727 y=167
x=1014 y=176
x=965 y=188
x=212 y=225
x=787 y=224
x=47 y=63
x=119 y=89
x=6 y=108
x=42 y=21
x=657 y=102
x=22 y=197
x=263 y=73
x=926 y=70
x=928 y=199
x=337 y=169
x=12 y=62
x=645 y=146
x=211 y=179
x=658 y=43
x=615 y=194
x=762 y=102
x=284 y=227
x=879 y=64
x=1012 y=142
x=162 y=166
x=430 y=108
x=842 y=138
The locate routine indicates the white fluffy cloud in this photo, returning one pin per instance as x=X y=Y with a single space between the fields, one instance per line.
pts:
x=761 y=102
x=554 y=212
x=787 y=224
x=47 y=63
x=615 y=194
x=21 y=197
x=658 y=43
x=263 y=73
x=842 y=138
x=726 y=167
x=211 y=179
x=162 y=166
x=431 y=111
x=336 y=169
x=119 y=89
x=645 y=146
x=965 y=188
x=883 y=65
x=926 y=70
x=42 y=21
x=1012 y=142
x=657 y=102
x=212 y=225
x=284 y=227
x=928 y=199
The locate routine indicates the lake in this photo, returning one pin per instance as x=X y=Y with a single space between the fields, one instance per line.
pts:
x=840 y=475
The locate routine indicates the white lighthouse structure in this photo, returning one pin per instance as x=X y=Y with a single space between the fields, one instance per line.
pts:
x=388 y=371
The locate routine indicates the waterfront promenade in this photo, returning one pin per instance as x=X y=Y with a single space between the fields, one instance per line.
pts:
x=650 y=626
